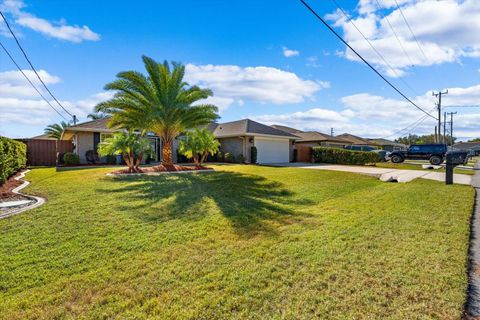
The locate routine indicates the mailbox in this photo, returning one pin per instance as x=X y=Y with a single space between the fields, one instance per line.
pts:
x=456 y=157
x=453 y=159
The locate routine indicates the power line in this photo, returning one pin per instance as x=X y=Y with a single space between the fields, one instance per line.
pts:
x=412 y=126
x=29 y=81
x=373 y=48
x=33 y=68
x=464 y=106
x=396 y=36
x=363 y=59
x=409 y=28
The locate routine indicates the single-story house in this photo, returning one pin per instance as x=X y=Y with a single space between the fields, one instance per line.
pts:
x=43 y=137
x=237 y=138
x=354 y=140
x=474 y=147
x=87 y=135
x=313 y=138
x=387 y=145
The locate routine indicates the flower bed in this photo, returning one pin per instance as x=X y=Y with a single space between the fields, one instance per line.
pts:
x=163 y=168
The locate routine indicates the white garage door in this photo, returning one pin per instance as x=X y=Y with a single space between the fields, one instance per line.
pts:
x=270 y=150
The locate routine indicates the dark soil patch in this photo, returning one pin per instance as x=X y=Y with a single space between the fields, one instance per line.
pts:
x=6 y=193
x=164 y=168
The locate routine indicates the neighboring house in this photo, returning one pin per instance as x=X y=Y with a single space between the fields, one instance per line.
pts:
x=387 y=145
x=238 y=137
x=313 y=138
x=86 y=136
x=355 y=140
x=42 y=137
x=474 y=147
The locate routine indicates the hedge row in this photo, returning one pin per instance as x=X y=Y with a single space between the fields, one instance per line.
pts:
x=342 y=156
x=13 y=157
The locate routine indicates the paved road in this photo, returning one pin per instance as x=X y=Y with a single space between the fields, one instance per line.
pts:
x=383 y=174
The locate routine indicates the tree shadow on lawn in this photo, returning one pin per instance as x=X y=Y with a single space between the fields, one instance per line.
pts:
x=251 y=203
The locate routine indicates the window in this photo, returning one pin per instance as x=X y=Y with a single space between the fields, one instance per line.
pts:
x=414 y=149
x=104 y=136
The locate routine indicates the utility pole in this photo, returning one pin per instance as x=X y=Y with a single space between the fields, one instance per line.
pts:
x=445 y=128
x=451 y=126
x=439 y=107
x=74 y=120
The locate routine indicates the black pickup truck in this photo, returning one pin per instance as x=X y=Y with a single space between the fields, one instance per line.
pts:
x=435 y=153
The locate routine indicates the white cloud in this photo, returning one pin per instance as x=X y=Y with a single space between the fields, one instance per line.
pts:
x=376 y=116
x=21 y=104
x=221 y=103
x=254 y=84
x=313 y=62
x=450 y=34
x=58 y=30
x=289 y=52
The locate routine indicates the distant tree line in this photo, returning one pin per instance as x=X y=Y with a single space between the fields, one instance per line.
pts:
x=416 y=139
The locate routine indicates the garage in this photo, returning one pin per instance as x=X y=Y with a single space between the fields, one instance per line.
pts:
x=272 y=150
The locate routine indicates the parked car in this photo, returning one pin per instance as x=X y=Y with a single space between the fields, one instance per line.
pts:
x=435 y=153
x=384 y=155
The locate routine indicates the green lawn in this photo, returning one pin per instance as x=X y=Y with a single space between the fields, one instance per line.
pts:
x=244 y=242
x=411 y=166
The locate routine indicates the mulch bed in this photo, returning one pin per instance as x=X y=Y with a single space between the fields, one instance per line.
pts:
x=164 y=168
x=6 y=193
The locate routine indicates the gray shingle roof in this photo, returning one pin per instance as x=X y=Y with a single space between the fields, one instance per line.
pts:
x=318 y=136
x=100 y=124
x=354 y=139
x=286 y=129
x=246 y=127
x=466 y=145
x=386 y=142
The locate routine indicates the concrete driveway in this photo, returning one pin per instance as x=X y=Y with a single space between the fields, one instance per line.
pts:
x=383 y=174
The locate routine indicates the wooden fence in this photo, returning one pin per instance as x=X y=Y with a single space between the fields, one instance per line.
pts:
x=44 y=152
x=304 y=153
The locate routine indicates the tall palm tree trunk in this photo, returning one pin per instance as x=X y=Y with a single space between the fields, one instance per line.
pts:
x=167 y=152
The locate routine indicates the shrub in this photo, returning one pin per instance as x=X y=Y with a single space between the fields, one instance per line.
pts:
x=91 y=156
x=229 y=157
x=60 y=157
x=111 y=159
x=13 y=157
x=219 y=156
x=241 y=158
x=71 y=159
x=342 y=156
x=253 y=154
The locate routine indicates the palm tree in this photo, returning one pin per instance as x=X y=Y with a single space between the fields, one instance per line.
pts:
x=96 y=116
x=129 y=145
x=198 y=144
x=56 y=130
x=160 y=102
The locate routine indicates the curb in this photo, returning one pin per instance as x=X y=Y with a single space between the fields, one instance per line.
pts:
x=38 y=201
x=472 y=302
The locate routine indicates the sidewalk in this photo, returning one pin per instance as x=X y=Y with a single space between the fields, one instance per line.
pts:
x=383 y=174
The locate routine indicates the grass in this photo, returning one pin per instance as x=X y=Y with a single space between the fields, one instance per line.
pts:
x=411 y=166
x=244 y=242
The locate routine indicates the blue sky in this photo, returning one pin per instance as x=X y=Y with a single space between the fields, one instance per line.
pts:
x=271 y=61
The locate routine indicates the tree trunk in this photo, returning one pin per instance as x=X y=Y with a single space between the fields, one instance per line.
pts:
x=126 y=158
x=138 y=161
x=167 y=152
x=204 y=157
